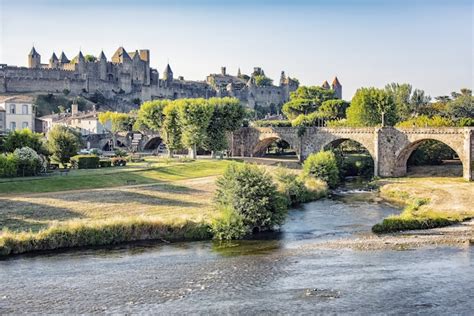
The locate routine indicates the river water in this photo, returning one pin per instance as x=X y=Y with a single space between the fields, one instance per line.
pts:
x=273 y=275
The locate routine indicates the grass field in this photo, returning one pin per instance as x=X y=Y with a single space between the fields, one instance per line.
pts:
x=429 y=202
x=171 y=201
x=142 y=173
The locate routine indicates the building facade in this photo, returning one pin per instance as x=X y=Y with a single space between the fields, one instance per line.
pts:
x=19 y=113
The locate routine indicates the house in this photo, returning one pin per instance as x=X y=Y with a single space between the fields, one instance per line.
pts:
x=19 y=112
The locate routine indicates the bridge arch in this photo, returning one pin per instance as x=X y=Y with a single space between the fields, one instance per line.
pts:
x=404 y=153
x=152 y=143
x=263 y=143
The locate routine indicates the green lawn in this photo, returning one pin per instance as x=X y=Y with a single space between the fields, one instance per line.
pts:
x=112 y=177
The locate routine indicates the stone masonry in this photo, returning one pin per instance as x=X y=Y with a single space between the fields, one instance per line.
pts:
x=389 y=147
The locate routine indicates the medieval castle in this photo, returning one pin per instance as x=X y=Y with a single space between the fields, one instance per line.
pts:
x=128 y=76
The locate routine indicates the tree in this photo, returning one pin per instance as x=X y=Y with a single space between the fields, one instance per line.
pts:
x=262 y=81
x=150 y=114
x=194 y=116
x=462 y=106
x=227 y=116
x=63 y=143
x=323 y=165
x=407 y=100
x=249 y=191
x=306 y=100
x=24 y=138
x=333 y=109
x=171 y=128
x=367 y=107
x=119 y=122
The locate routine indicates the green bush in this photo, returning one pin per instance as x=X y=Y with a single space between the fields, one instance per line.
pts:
x=85 y=162
x=396 y=224
x=229 y=225
x=8 y=165
x=29 y=163
x=298 y=189
x=323 y=165
x=119 y=161
x=105 y=163
x=249 y=191
x=357 y=165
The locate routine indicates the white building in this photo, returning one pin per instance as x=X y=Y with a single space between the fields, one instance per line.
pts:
x=19 y=112
x=86 y=123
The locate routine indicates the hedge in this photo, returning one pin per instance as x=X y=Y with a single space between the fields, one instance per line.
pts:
x=85 y=162
x=105 y=163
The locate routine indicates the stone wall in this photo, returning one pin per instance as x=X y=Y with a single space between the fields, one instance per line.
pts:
x=389 y=147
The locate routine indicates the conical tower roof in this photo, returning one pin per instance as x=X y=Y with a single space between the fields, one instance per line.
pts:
x=33 y=52
x=168 y=69
x=102 y=56
x=336 y=82
x=325 y=85
x=54 y=57
x=64 y=59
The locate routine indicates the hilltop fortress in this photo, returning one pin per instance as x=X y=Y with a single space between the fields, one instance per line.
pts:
x=128 y=76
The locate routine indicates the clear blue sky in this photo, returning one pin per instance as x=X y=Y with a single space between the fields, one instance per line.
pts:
x=365 y=43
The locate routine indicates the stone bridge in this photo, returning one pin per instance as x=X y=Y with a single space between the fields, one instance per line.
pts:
x=133 y=141
x=389 y=147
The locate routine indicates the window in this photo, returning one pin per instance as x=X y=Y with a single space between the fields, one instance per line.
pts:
x=12 y=109
x=24 y=109
x=12 y=126
x=24 y=125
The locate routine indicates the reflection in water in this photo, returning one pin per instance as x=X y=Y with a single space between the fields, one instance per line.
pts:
x=270 y=274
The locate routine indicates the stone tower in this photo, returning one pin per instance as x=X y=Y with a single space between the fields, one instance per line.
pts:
x=53 y=61
x=81 y=63
x=34 y=59
x=337 y=87
x=326 y=85
x=102 y=66
x=168 y=74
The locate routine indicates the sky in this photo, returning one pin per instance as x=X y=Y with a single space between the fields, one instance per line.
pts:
x=427 y=43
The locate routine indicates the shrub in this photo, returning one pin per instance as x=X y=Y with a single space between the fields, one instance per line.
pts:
x=85 y=162
x=323 y=165
x=119 y=161
x=249 y=191
x=29 y=163
x=120 y=153
x=395 y=224
x=105 y=163
x=229 y=225
x=426 y=121
x=24 y=138
x=299 y=189
x=466 y=121
x=8 y=165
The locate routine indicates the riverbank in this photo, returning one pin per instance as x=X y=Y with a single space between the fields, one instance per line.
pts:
x=459 y=235
x=429 y=202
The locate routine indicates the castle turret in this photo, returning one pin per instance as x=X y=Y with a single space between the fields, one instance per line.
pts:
x=283 y=79
x=53 y=61
x=325 y=85
x=81 y=63
x=168 y=74
x=102 y=66
x=239 y=74
x=34 y=59
x=63 y=59
x=337 y=87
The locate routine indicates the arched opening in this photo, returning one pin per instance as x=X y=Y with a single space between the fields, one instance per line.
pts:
x=108 y=146
x=354 y=159
x=275 y=147
x=155 y=143
x=429 y=157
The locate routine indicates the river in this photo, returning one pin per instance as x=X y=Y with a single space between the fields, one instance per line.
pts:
x=273 y=275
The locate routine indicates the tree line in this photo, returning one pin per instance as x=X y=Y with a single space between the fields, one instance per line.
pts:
x=184 y=123
x=395 y=105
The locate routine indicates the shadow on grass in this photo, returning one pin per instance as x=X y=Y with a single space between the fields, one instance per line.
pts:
x=24 y=216
x=178 y=189
x=122 y=196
